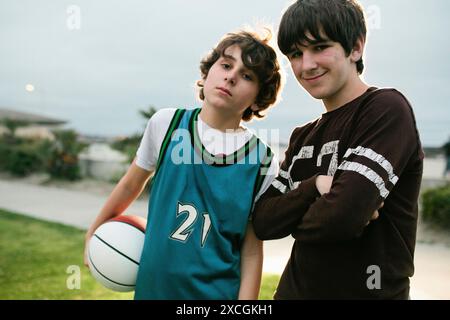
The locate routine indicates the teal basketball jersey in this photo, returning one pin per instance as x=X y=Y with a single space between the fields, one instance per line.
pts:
x=198 y=212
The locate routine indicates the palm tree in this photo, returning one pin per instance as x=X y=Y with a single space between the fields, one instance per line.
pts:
x=147 y=114
x=130 y=144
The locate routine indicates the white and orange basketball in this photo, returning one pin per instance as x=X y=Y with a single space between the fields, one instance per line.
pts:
x=115 y=252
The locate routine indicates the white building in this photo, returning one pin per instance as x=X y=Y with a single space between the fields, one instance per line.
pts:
x=101 y=162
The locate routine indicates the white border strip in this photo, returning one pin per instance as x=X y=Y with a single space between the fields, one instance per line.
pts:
x=368 y=173
x=281 y=187
x=376 y=157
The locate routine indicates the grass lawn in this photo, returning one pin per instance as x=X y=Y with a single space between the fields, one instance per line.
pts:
x=37 y=259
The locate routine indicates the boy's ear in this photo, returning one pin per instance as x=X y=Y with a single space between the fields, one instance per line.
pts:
x=358 y=50
x=254 y=107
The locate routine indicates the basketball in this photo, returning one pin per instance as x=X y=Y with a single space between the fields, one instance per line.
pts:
x=115 y=252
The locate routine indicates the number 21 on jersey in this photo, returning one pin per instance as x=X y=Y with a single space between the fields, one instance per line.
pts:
x=183 y=232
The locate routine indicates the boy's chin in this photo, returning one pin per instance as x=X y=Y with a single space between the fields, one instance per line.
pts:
x=314 y=93
x=317 y=94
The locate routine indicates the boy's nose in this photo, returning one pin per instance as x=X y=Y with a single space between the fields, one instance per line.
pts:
x=308 y=62
x=230 y=79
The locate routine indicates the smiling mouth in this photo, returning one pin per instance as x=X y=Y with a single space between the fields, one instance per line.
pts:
x=224 y=91
x=314 y=78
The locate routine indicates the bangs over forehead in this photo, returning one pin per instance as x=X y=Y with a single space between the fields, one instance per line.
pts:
x=254 y=56
x=338 y=20
x=295 y=31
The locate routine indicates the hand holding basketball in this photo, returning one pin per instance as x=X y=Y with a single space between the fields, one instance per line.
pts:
x=113 y=252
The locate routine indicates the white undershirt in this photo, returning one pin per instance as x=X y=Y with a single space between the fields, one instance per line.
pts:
x=215 y=141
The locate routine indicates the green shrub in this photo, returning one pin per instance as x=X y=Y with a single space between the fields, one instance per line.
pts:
x=23 y=160
x=63 y=161
x=436 y=206
x=22 y=156
x=4 y=154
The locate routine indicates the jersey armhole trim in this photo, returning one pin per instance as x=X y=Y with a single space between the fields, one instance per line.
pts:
x=172 y=126
x=262 y=172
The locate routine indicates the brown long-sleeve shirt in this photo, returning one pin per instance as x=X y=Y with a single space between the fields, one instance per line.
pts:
x=372 y=148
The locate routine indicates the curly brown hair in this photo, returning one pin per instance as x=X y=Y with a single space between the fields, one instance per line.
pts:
x=259 y=57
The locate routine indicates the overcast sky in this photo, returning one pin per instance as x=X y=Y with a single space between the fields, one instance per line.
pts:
x=95 y=63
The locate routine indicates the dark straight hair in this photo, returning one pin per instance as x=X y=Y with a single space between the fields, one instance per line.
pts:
x=341 y=21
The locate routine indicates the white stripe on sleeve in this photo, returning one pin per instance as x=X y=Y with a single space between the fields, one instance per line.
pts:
x=375 y=157
x=368 y=173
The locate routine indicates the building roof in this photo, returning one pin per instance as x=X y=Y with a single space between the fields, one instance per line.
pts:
x=31 y=118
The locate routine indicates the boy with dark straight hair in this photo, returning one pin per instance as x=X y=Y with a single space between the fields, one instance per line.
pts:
x=363 y=155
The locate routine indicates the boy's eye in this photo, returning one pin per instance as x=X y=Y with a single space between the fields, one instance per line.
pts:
x=321 y=48
x=248 y=77
x=226 y=66
x=295 y=54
